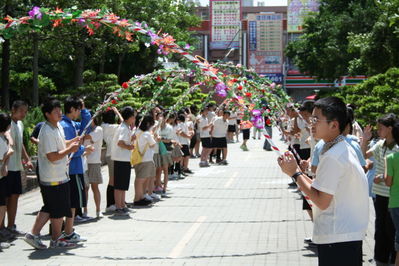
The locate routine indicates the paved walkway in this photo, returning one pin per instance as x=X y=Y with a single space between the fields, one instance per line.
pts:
x=240 y=214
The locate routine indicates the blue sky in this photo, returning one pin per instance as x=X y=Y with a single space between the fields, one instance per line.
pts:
x=267 y=2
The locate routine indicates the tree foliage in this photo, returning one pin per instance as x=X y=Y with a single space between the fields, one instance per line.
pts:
x=323 y=49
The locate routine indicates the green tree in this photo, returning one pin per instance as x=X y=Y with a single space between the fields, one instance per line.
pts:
x=322 y=50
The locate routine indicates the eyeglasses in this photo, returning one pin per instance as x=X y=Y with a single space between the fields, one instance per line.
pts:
x=314 y=120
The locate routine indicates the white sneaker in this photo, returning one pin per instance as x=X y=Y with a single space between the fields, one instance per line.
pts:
x=72 y=238
x=155 y=196
x=111 y=208
x=147 y=197
x=34 y=241
x=4 y=245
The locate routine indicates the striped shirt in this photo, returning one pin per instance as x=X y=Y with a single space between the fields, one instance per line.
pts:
x=380 y=151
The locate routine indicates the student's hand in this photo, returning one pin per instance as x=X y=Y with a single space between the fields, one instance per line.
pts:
x=133 y=138
x=304 y=164
x=29 y=165
x=378 y=179
x=367 y=133
x=4 y=170
x=74 y=147
x=130 y=147
x=89 y=149
x=288 y=163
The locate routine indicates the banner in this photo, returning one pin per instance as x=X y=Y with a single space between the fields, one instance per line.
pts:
x=297 y=11
x=225 y=24
x=265 y=42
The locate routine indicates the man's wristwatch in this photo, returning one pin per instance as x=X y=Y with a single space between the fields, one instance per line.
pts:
x=295 y=176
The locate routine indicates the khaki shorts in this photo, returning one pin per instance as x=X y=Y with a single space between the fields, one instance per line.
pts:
x=94 y=173
x=145 y=170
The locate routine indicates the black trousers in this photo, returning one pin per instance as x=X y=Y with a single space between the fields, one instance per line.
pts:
x=384 y=249
x=340 y=254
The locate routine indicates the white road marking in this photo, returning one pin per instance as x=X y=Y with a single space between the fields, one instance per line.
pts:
x=231 y=179
x=186 y=238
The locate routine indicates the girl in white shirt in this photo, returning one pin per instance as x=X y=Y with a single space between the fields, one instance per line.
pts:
x=166 y=135
x=145 y=171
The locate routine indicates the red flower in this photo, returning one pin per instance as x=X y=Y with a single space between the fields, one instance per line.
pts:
x=268 y=122
x=159 y=79
x=108 y=109
x=234 y=80
x=239 y=88
x=248 y=94
x=125 y=85
x=114 y=102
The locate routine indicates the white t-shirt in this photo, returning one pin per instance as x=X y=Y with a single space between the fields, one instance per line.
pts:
x=108 y=135
x=3 y=151
x=340 y=174
x=219 y=128
x=145 y=140
x=183 y=128
x=155 y=129
x=167 y=132
x=291 y=139
x=125 y=134
x=17 y=131
x=52 y=139
x=211 y=116
x=97 y=142
x=203 y=122
x=233 y=119
x=304 y=134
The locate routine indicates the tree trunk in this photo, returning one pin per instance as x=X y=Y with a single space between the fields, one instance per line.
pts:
x=79 y=65
x=5 y=75
x=35 y=68
x=119 y=69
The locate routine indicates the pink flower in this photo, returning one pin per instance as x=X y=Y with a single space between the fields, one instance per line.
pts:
x=35 y=13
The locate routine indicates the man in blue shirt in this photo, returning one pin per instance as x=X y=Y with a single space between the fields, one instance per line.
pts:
x=74 y=107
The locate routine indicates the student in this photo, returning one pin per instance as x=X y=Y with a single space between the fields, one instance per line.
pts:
x=184 y=136
x=157 y=116
x=384 y=250
x=5 y=153
x=145 y=171
x=53 y=151
x=121 y=152
x=19 y=110
x=109 y=128
x=166 y=134
x=74 y=108
x=232 y=127
x=177 y=153
x=339 y=192
x=204 y=128
x=392 y=181
x=95 y=138
x=219 y=132
x=302 y=123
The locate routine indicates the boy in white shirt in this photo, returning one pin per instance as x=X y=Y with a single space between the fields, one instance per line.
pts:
x=19 y=110
x=340 y=190
x=204 y=128
x=219 y=132
x=121 y=153
x=53 y=150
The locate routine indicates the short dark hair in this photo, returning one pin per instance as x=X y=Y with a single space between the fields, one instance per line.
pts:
x=5 y=122
x=387 y=120
x=181 y=118
x=127 y=112
x=395 y=132
x=49 y=106
x=18 y=103
x=333 y=108
x=350 y=119
x=109 y=117
x=225 y=112
x=307 y=106
x=204 y=109
x=72 y=101
x=147 y=123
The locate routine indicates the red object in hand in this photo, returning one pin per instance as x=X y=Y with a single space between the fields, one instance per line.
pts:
x=125 y=85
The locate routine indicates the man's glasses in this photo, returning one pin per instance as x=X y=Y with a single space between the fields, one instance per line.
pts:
x=314 y=120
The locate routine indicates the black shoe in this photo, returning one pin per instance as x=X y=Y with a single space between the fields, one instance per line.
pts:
x=312 y=244
x=307 y=240
x=292 y=184
x=182 y=174
x=142 y=202
x=188 y=171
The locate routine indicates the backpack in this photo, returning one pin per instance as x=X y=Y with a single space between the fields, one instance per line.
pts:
x=136 y=156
